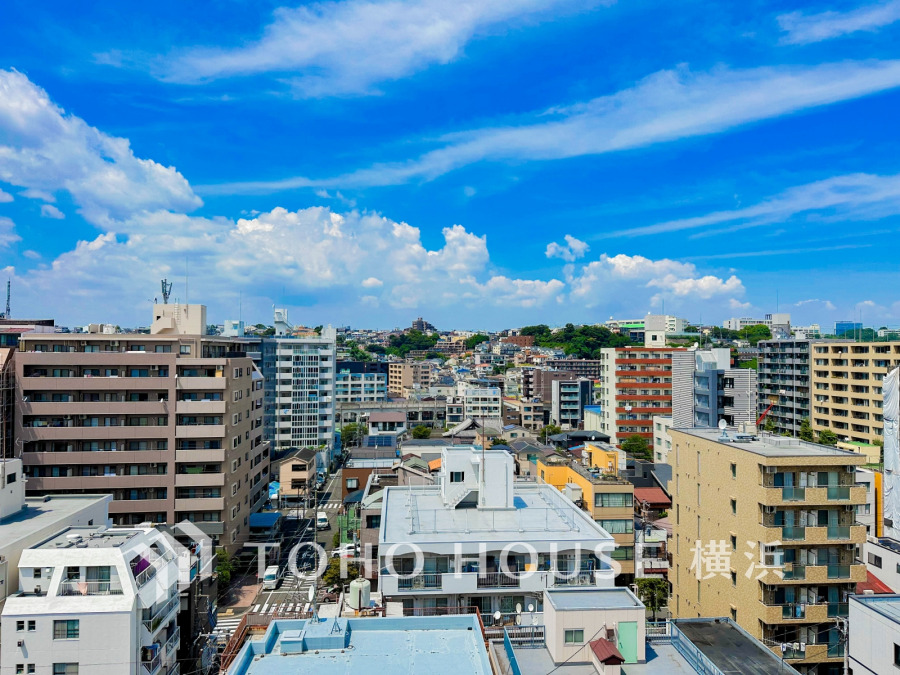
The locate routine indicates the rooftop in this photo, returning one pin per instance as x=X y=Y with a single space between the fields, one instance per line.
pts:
x=42 y=513
x=770 y=445
x=886 y=605
x=88 y=537
x=435 y=645
x=581 y=599
x=387 y=417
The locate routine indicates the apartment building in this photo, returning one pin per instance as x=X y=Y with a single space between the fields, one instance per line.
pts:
x=635 y=385
x=407 y=377
x=170 y=424
x=601 y=493
x=481 y=403
x=299 y=390
x=784 y=382
x=706 y=389
x=526 y=413
x=7 y=389
x=589 y=368
x=846 y=388
x=360 y=382
x=474 y=529
x=96 y=601
x=568 y=400
x=765 y=532
x=874 y=641
x=774 y=320
x=537 y=383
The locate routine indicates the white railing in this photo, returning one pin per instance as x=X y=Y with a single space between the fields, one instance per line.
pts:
x=155 y=621
x=76 y=587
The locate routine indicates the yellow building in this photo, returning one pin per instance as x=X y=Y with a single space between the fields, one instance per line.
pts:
x=609 y=500
x=604 y=458
x=765 y=532
x=846 y=388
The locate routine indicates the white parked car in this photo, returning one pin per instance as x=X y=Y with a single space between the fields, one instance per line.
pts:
x=345 y=551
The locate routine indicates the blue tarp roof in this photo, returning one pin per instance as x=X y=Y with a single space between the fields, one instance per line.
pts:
x=264 y=518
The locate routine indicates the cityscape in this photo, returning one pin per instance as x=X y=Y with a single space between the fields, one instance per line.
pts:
x=506 y=338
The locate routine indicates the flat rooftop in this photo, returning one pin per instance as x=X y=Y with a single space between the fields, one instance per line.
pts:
x=436 y=645
x=886 y=605
x=730 y=649
x=662 y=659
x=87 y=537
x=45 y=513
x=770 y=445
x=418 y=514
x=594 y=599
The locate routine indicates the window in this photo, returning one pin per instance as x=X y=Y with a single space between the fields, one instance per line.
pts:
x=184 y=349
x=622 y=553
x=613 y=499
x=20 y=626
x=875 y=560
x=734 y=614
x=618 y=526
x=575 y=636
x=32 y=625
x=734 y=506
x=734 y=578
x=733 y=543
x=734 y=470
x=65 y=669
x=66 y=629
x=457 y=476
x=352 y=483
x=897 y=655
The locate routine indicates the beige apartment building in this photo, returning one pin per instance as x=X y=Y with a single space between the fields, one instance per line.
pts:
x=846 y=382
x=170 y=424
x=404 y=378
x=765 y=532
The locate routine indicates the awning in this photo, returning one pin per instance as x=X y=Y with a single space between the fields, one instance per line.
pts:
x=354 y=497
x=264 y=518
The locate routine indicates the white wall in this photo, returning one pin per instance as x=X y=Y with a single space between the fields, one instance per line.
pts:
x=872 y=639
x=888 y=571
x=591 y=621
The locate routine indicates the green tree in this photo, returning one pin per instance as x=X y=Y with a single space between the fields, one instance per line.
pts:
x=375 y=349
x=475 y=340
x=637 y=446
x=549 y=430
x=753 y=334
x=421 y=431
x=827 y=437
x=401 y=345
x=654 y=593
x=691 y=329
x=806 y=432
x=336 y=539
x=769 y=425
x=352 y=433
x=224 y=568
x=332 y=575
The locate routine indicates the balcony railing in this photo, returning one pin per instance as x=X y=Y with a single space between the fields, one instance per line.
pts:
x=151 y=667
x=76 y=587
x=839 y=571
x=838 y=609
x=793 y=610
x=835 y=650
x=497 y=580
x=156 y=619
x=838 y=493
x=156 y=564
x=838 y=531
x=795 y=573
x=173 y=641
x=428 y=580
x=570 y=579
x=793 y=533
x=793 y=494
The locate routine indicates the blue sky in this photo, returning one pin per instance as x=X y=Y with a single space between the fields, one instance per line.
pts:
x=480 y=164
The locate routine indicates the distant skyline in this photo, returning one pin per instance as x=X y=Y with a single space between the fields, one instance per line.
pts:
x=483 y=165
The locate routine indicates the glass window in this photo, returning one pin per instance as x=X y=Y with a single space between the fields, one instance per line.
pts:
x=32 y=626
x=618 y=526
x=574 y=636
x=613 y=499
x=66 y=629
x=65 y=669
x=457 y=476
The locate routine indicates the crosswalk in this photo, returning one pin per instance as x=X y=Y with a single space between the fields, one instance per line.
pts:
x=280 y=607
x=330 y=505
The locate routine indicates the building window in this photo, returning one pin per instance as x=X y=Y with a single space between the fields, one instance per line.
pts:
x=184 y=349
x=897 y=655
x=575 y=636
x=613 y=499
x=733 y=543
x=734 y=506
x=20 y=626
x=734 y=614
x=734 y=578
x=618 y=526
x=734 y=470
x=352 y=483
x=65 y=669
x=32 y=625
x=875 y=560
x=457 y=476
x=66 y=629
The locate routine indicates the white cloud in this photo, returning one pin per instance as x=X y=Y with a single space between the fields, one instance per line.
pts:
x=666 y=106
x=340 y=48
x=5 y=197
x=34 y=255
x=856 y=196
x=573 y=249
x=44 y=149
x=622 y=277
x=372 y=282
x=42 y=195
x=737 y=305
x=827 y=304
x=806 y=28
x=50 y=211
x=7 y=232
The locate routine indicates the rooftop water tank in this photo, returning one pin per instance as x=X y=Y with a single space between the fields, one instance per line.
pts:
x=359 y=594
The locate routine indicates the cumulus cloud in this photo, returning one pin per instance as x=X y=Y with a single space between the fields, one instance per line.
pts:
x=806 y=28
x=43 y=149
x=341 y=48
x=50 y=211
x=666 y=106
x=372 y=282
x=7 y=232
x=5 y=197
x=42 y=195
x=827 y=304
x=737 y=305
x=573 y=249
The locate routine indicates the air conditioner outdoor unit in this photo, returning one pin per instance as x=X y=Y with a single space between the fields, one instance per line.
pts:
x=769 y=509
x=849 y=507
x=771 y=469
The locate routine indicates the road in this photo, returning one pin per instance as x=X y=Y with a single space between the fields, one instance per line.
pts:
x=292 y=593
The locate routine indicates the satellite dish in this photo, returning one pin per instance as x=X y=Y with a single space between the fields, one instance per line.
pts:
x=311 y=593
x=723 y=425
x=530 y=608
x=518 y=608
x=497 y=615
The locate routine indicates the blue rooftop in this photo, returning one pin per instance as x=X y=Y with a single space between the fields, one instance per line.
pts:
x=434 y=645
x=264 y=518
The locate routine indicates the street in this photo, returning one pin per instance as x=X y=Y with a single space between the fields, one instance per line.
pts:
x=292 y=594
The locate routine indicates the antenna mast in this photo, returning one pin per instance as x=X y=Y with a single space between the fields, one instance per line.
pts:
x=166 y=290
x=8 y=283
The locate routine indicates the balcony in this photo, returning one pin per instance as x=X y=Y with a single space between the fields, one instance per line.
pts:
x=497 y=580
x=157 y=618
x=173 y=642
x=795 y=573
x=838 y=494
x=793 y=533
x=427 y=581
x=794 y=611
x=77 y=587
x=822 y=574
x=838 y=609
x=793 y=494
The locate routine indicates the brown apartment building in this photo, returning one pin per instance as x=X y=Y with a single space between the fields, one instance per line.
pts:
x=404 y=378
x=169 y=423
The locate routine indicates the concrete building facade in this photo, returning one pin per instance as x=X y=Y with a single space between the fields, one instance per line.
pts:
x=568 y=400
x=170 y=424
x=409 y=376
x=706 y=389
x=765 y=532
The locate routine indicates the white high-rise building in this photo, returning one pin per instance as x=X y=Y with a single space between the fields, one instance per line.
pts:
x=299 y=390
x=94 y=601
